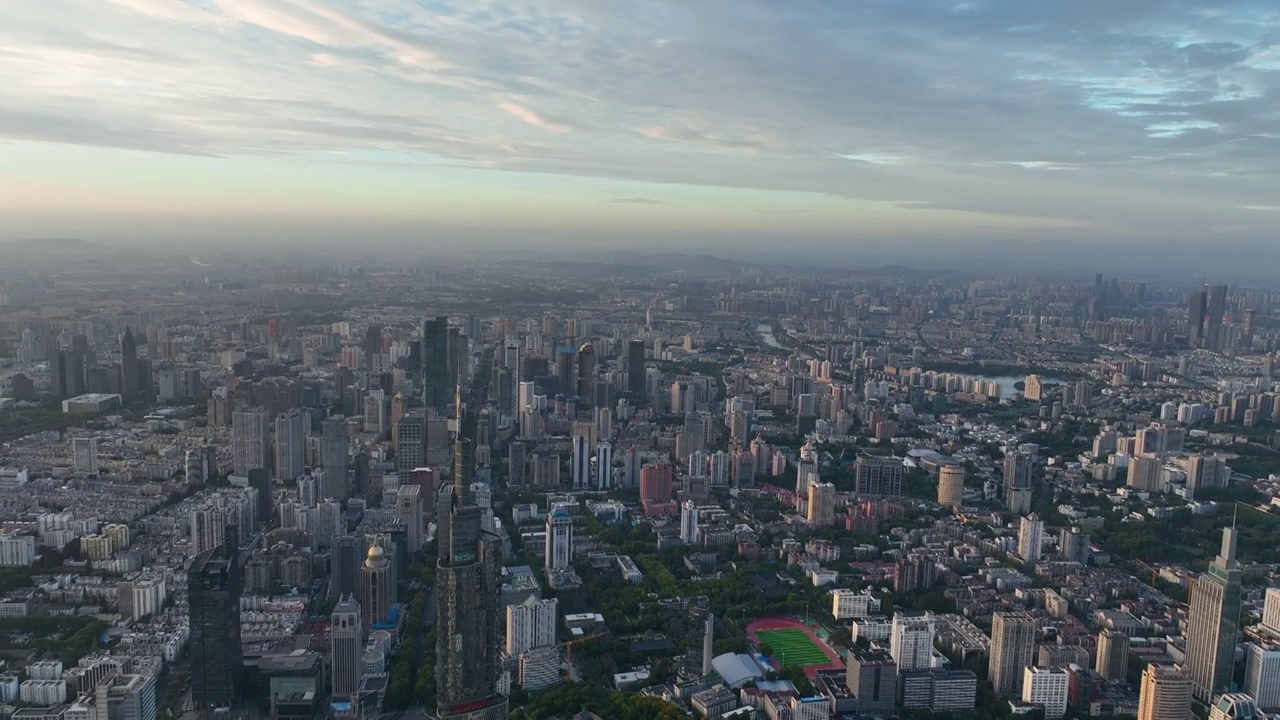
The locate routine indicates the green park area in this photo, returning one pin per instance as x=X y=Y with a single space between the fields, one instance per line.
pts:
x=791 y=648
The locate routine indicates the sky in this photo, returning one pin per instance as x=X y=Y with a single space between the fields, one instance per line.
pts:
x=828 y=125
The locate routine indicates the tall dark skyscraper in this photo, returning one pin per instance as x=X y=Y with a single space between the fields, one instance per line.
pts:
x=1196 y=306
x=635 y=366
x=468 y=604
x=564 y=370
x=344 y=566
x=213 y=595
x=372 y=346
x=128 y=365
x=435 y=364
x=1213 y=319
x=67 y=373
x=587 y=374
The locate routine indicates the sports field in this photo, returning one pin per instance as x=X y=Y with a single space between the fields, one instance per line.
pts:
x=793 y=648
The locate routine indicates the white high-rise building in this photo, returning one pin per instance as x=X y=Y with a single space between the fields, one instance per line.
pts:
x=1046 y=687
x=250 y=440
x=911 y=640
x=1271 y=610
x=1262 y=674
x=84 y=451
x=850 y=604
x=1030 y=538
x=604 y=465
x=531 y=624
x=580 y=471
x=559 y=540
x=689 y=522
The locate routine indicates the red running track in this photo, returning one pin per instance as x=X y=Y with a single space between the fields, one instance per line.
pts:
x=810 y=671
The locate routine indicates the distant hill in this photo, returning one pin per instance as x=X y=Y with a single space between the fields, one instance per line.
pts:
x=55 y=245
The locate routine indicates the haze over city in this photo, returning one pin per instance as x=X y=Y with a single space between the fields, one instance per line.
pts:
x=949 y=130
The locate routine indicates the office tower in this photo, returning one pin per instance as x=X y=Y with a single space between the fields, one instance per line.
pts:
x=587 y=373
x=656 y=483
x=66 y=374
x=581 y=468
x=1206 y=471
x=515 y=465
x=259 y=481
x=372 y=347
x=559 y=548
x=1030 y=538
x=128 y=366
x=84 y=452
x=468 y=590
x=1213 y=321
x=872 y=677
x=821 y=510
x=1073 y=544
x=604 y=465
x=911 y=640
x=1046 y=687
x=250 y=440
x=531 y=624
x=436 y=388
x=291 y=434
x=409 y=511
x=1235 y=706
x=635 y=367
x=699 y=639
x=213 y=616
x=1018 y=470
x=124 y=697
x=1144 y=473
x=1271 y=610
x=411 y=443
x=689 y=522
x=1262 y=674
x=1196 y=307
x=951 y=486
x=1013 y=643
x=878 y=476
x=377 y=589
x=375 y=413
x=1113 y=655
x=1213 y=623
x=345 y=552
x=345 y=647
x=1165 y=694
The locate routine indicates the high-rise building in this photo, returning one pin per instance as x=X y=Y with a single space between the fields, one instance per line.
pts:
x=468 y=591
x=1013 y=644
x=411 y=439
x=587 y=374
x=213 y=616
x=1262 y=674
x=559 y=540
x=125 y=697
x=436 y=388
x=1165 y=694
x=1018 y=469
x=335 y=454
x=1196 y=306
x=291 y=437
x=409 y=512
x=516 y=465
x=689 y=522
x=872 y=677
x=250 y=440
x=1112 y=662
x=1032 y=388
x=877 y=476
x=821 y=511
x=129 y=374
x=951 y=486
x=377 y=588
x=345 y=647
x=1214 y=334
x=372 y=347
x=344 y=566
x=67 y=373
x=604 y=465
x=1271 y=610
x=581 y=468
x=911 y=640
x=635 y=366
x=1213 y=623
x=1046 y=687
x=699 y=639
x=1030 y=538
x=1206 y=471
x=531 y=624
x=84 y=452
x=1235 y=706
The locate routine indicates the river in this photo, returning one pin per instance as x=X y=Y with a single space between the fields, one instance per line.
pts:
x=766 y=333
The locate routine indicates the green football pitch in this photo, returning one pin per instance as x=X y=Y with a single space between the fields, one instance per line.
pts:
x=792 y=648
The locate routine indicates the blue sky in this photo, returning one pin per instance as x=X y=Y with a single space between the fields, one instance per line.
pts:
x=681 y=122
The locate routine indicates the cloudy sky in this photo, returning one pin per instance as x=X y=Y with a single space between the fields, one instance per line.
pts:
x=824 y=123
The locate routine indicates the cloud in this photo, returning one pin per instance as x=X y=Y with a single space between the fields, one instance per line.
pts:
x=1139 y=118
x=637 y=201
x=532 y=117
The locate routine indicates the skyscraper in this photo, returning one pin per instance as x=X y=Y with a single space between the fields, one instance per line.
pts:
x=345 y=648
x=468 y=591
x=1165 y=694
x=334 y=457
x=409 y=511
x=635 y=367
x=1013 y=644
x=377 y=589
x=291 y=435
x=689 y=522
x=581 y=468
x=604 y=465
x=531 y=624
x=911 y=640
x=411 y=443
x=128 y=366
x=1214 y=336
x=951 y=486
x=435 y=364
x=821 y=511
x=1213 y=623
x=559 y=548
x=213 y=597
x=1196 y=306
x=250 y=440
x=1113 y=655
x=1030 y=538
x=66 y=373
x=84 y=453
x=344 y=566
x=872 y=677
x=372 y=347
x=587 y=374
x=878 y=476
